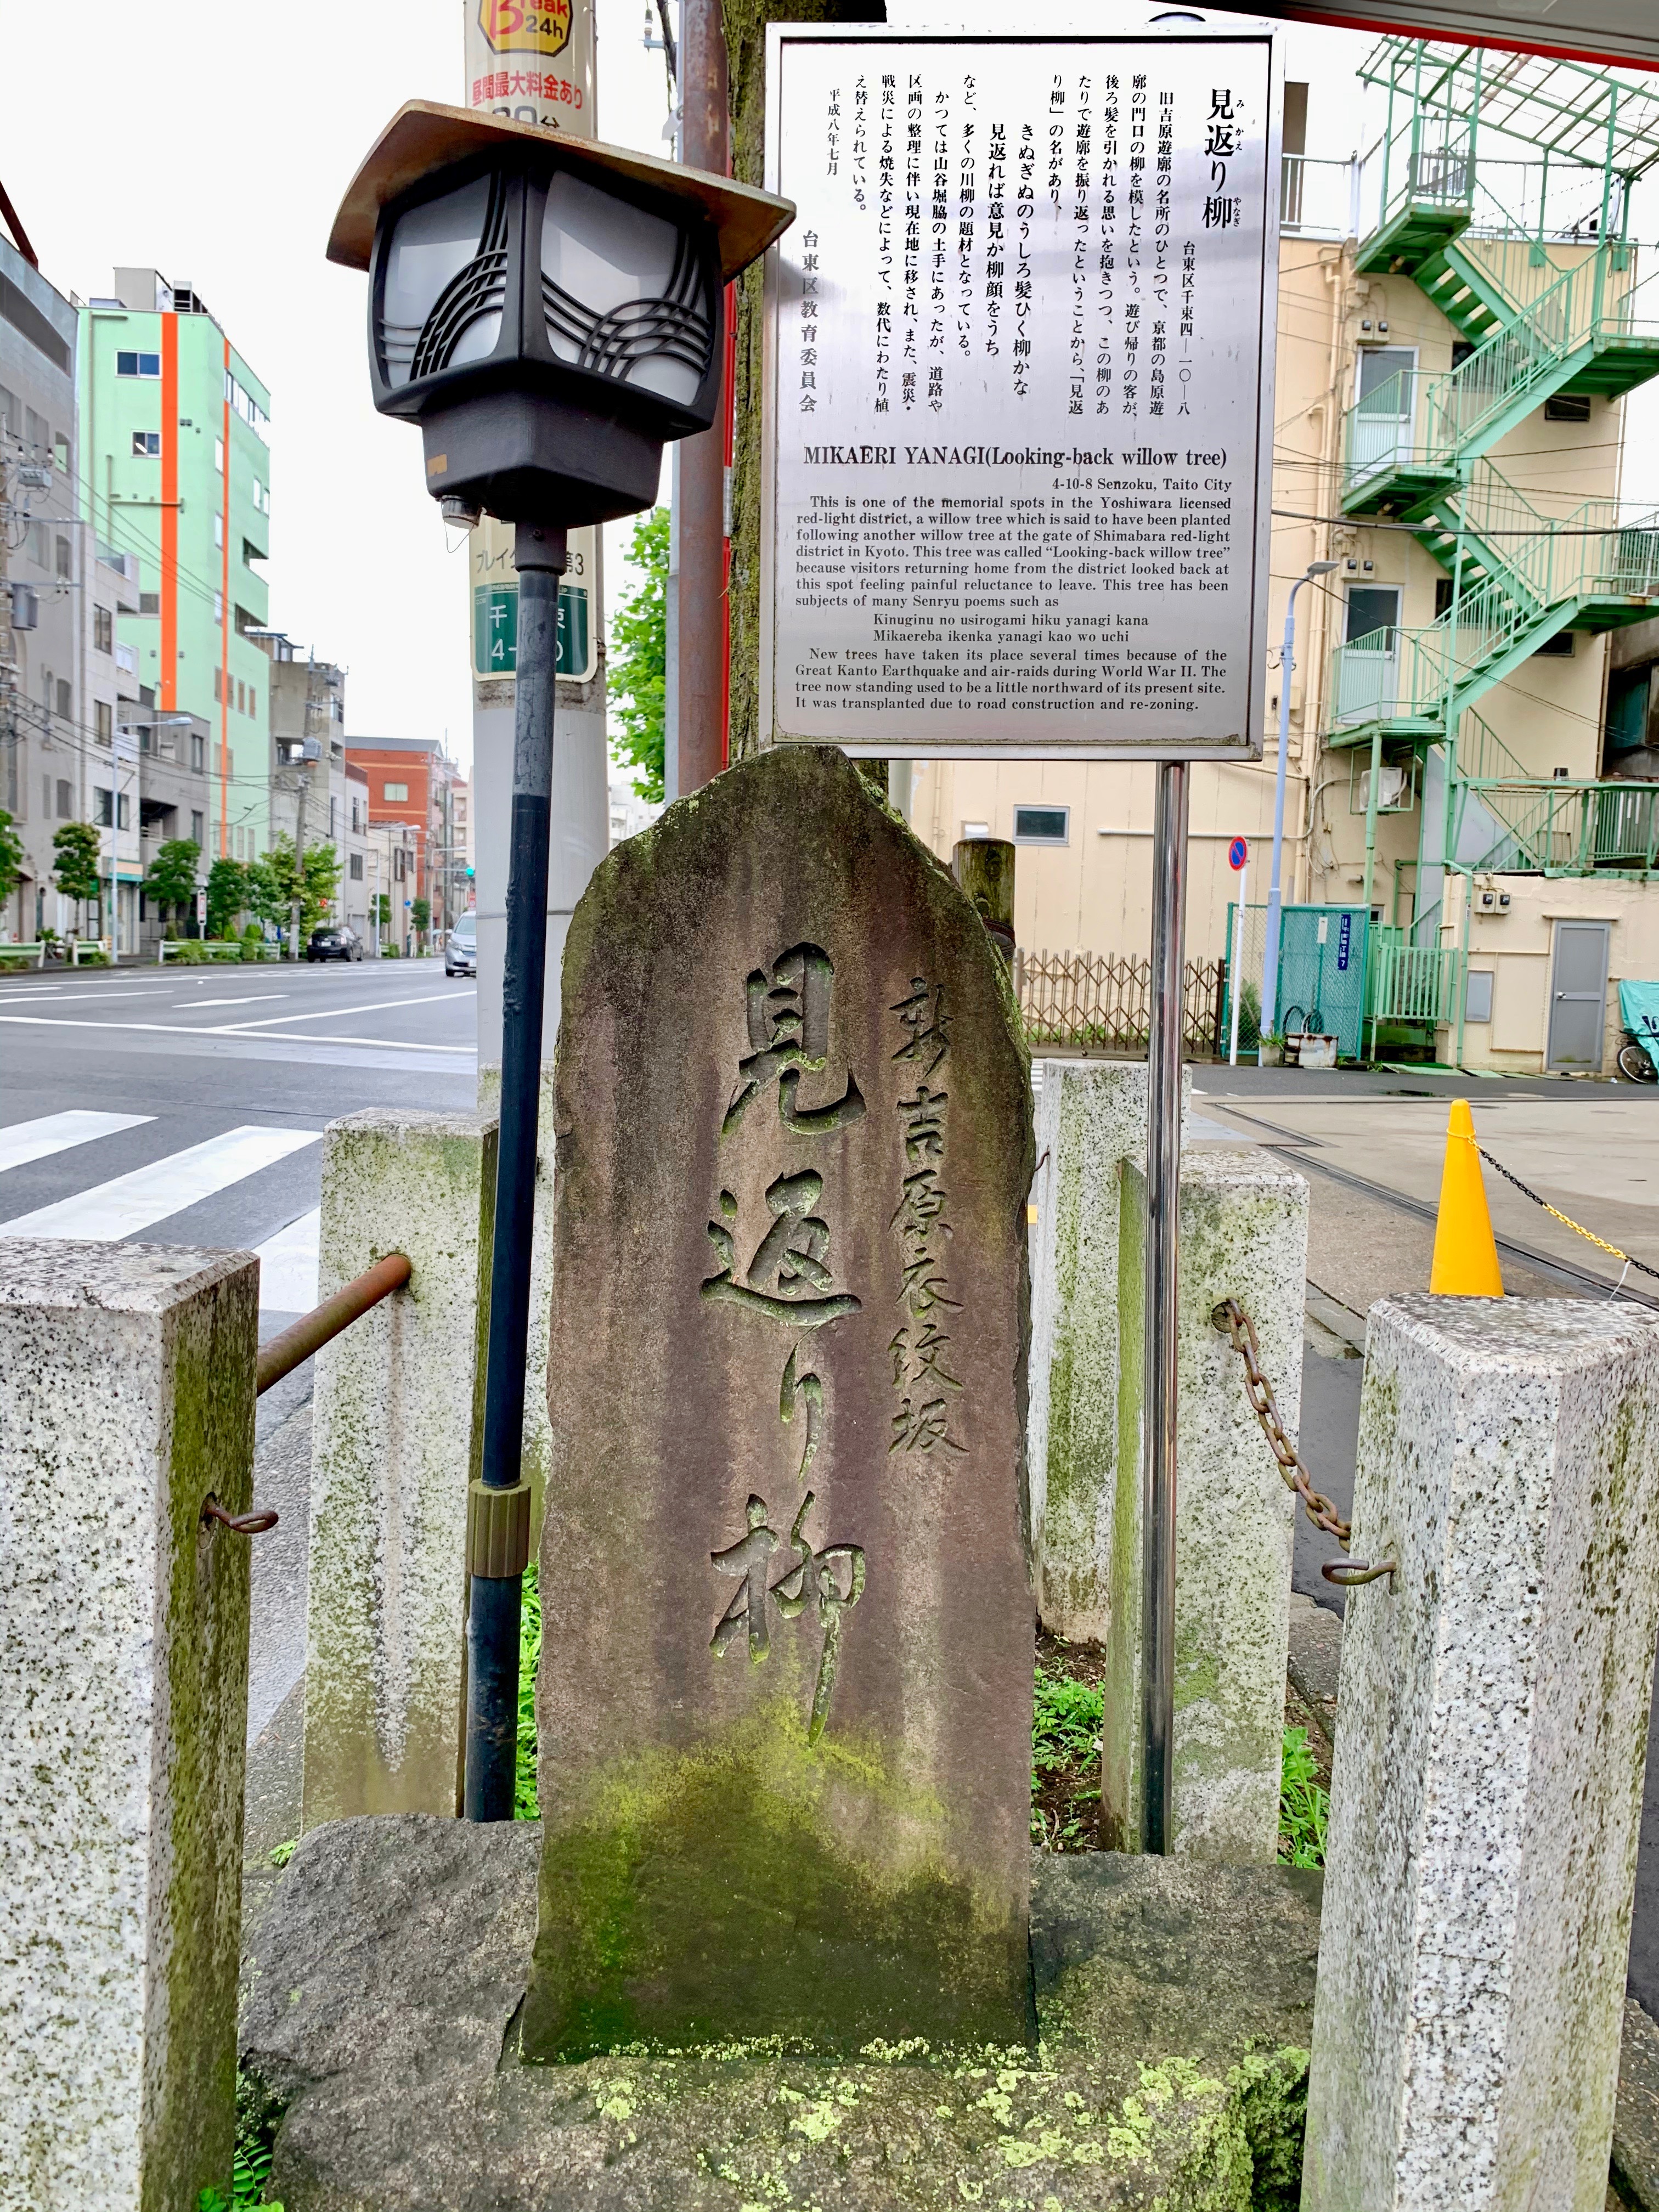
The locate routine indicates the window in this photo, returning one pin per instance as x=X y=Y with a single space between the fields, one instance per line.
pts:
x=36 y=432
x=241 y=697
x=137 y=364
x=103 y=803
x=66 y=698
x=261 y=497
x=1558 y=648
x=394 y=794
x=103 y=719
x=1043 y=825
x=218 y=455
x=333 y=825
x=197 y=826
x=245 y=405
x=199 y=756
x=219 y=533
x=1566 y=407
x=355 y=867
x=219 y=686
x=146 y=444
x=103 y=629
x=219 y=608
x=65 y=799
x=1477 y=995
x=10 y=413
x=60 y=450
x=150 y=603
x=251 y=553
x=65 y=560
x=252 y=696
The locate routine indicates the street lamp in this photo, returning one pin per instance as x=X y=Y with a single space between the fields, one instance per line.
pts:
x=1286 y=663
x=548 y=311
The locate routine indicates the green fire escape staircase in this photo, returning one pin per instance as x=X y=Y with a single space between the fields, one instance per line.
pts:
x=1529 y=262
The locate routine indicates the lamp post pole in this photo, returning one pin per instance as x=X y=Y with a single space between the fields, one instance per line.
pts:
x=1286 y=663
x=498 y=1519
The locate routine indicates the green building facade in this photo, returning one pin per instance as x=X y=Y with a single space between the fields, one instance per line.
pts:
x=176 y=470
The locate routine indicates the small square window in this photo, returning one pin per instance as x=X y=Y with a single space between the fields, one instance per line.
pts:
x=394 y=794
x=137 y=364
x=150 y=603
x=1566 y=407
x=146 y=444
x=1558 y=648
x=1043 y=825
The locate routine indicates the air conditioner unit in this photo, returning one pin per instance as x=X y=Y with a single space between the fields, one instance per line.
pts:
x=1391 y=791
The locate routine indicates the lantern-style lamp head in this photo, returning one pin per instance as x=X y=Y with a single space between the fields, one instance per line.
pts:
x=547 y=309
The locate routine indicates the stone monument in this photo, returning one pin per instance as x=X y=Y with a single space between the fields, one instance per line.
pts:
x=784 y=1703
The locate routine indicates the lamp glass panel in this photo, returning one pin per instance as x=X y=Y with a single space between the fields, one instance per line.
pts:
x=627 y=300
x=431 y=245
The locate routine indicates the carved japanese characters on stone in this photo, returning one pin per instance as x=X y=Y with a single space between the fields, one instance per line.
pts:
x=789 y=1034
x=814 y=1580
x=919 y=1347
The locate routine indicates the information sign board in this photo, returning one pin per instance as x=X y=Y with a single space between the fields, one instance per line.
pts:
x=1019 y=392
x=495 y=585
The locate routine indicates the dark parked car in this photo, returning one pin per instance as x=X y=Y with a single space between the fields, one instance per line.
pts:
x=335 y=942
x=461 y=952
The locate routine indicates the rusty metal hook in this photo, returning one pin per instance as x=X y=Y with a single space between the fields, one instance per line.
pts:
x=243 y=1524
x=1348 y=1574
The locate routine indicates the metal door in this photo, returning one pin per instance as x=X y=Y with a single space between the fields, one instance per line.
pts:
x=1369 y=677
x=1384 y=407
x=1578 y=996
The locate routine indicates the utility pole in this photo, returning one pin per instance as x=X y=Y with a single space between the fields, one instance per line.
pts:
x=700 y=691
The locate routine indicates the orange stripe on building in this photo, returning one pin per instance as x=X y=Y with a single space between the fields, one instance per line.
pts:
x=169 y=578
x=224 y=629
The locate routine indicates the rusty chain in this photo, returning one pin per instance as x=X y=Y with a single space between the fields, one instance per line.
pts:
x=1231 y=1318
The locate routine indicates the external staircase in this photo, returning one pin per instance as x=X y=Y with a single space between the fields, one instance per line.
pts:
x=1529 y=262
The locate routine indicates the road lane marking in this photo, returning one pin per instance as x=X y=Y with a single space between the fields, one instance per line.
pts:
x=288 y=1265
x=110 y=1211
x=60 y=994
x=252 y=999
x=23 y=1141
x=339 y=1013
x=380 y=1044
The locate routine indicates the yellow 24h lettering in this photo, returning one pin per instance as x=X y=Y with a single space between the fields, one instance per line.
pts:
x=510 y=26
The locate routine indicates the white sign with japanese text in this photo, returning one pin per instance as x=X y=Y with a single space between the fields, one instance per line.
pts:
x=1019 y=392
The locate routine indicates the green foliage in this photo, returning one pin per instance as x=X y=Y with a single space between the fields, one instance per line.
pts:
x=277 y=879
x=227 y=895
x=11 y=856
x=525 y=1804
x=258 y=2116
x=1249 y=1016
x=1065 y=1724
x=75 y=845
x=390 y=952
x=420 y=913
x=380 y=905
x=284 y=1852
x=172 y=874
x=188 y=953
x=636 y=669
x=1304 y=1807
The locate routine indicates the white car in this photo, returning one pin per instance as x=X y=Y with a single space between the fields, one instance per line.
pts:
x=461 y=952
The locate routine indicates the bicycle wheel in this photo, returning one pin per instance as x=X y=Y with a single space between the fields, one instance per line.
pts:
x=1635 y=1065
x=1296 y=1021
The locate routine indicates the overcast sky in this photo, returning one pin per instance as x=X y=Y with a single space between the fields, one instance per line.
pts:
x=214 y=142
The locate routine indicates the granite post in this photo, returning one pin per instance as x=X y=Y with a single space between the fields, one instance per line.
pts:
x=785 y=1698
x=1091 y=1116
x=1243 y=1230
x=394 y=1445
x=1486 y=1788
x=126 y=1402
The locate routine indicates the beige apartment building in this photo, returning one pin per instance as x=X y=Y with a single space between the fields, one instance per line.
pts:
x=1462 y=314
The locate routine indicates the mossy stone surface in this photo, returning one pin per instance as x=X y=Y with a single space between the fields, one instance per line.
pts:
x=784 y=1700
x=381 y=2007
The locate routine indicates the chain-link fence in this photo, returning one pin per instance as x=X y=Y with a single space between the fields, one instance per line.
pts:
x=1322 y=974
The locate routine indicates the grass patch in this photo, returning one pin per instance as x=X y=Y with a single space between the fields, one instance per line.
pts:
x=1065 y=1745
x=525 y=1804
x=1304 y=1807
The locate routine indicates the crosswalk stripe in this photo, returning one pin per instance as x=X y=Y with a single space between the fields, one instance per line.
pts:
x=23 y=1141
x=288 y=1265
x=110 y=1211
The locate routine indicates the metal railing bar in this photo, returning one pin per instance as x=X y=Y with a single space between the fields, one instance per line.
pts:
x=324 y=1322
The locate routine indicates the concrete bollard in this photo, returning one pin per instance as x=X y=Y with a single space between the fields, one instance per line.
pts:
x=126 y=1400
x=1091 y=1116
x=395 y=1433
x=1487 y=1782
x=1243 y=1234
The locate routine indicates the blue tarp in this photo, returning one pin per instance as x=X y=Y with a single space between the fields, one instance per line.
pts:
x=1638 y=1008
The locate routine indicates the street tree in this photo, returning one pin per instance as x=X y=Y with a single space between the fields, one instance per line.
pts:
x=227 y=895
x=171 y=881
x=277 y=879
x=11 y=857
x=637 y=666
x=75 y=845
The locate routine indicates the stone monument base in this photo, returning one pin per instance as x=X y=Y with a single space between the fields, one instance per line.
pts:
x=384 y=1976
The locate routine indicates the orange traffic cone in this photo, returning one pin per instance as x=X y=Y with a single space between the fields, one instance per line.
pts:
x=1465 y=1253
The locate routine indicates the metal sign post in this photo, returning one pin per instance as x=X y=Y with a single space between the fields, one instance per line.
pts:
x=1238 y=858
x=1017 y=464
